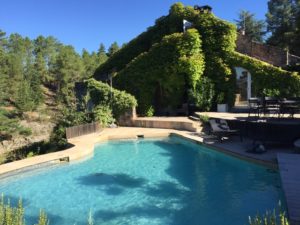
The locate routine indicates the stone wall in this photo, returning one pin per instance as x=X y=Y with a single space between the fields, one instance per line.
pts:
x=270 y=54
x=127 y=118
x=165 y=124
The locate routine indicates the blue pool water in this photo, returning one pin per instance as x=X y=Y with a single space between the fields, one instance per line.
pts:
x=158 y=181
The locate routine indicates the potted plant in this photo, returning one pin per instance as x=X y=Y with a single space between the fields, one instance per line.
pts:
x=221 y=105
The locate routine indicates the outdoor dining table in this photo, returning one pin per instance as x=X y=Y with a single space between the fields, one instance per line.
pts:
x=288 y=106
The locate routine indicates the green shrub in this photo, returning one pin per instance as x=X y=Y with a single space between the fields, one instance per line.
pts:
x=25 y=131
x=68 y=118
x=269 y=218
x=43 y=220
x=203 y=94
x=150 y=111
x=103 y=115
x=100 y=94
x=30 y=154
x=34 y=149
x=204 y=118
x=9 y=126
x=24 y=98
x=10 y=215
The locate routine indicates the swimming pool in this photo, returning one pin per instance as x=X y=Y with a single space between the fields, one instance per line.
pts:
x=155 y=181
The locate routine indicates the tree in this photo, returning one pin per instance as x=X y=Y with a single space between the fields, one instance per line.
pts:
x=47 y=48
x=113 y=49
x=281 y=22
x=102 y=54
x=16 y=56
x=24 y=100
x=255 y=29
x=296 y=35
x=3 y=68
x=39 y=69
x=90 y=63
x=68 y=69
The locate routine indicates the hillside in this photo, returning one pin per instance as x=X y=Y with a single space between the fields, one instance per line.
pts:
x=37 y=80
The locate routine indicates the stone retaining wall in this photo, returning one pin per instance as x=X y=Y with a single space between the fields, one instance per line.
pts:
x=267 y=53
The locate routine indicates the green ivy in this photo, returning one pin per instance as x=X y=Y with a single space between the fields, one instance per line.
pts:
x=102 y=94
x=165 y=25
x=164 y=72
x=103 y=115
x=266 y=78
x=203 y=94
x=162 y=63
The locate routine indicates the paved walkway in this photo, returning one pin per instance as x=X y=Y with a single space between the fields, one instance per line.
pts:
x=233 y=116
x=289 y=166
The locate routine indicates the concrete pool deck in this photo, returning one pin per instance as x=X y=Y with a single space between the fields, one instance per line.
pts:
x=233 y=116
x=289 y=166
x=83 y=147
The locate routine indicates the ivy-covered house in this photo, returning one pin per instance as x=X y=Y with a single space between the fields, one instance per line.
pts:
x=165 y=67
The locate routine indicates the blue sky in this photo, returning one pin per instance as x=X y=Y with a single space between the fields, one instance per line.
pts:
x=87 y=23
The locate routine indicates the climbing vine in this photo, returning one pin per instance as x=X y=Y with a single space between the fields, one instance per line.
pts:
x=162 y=67
x=160 y=76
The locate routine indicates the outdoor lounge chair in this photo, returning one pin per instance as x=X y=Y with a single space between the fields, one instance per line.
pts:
x=221 y=129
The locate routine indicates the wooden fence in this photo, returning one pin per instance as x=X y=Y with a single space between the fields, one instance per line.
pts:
x=83 y=129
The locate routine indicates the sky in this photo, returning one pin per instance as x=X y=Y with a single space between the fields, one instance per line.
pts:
x=87 y=23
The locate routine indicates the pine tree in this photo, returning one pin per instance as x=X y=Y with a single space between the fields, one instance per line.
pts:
x=36 y=79
x=48 y=48
x=281 y=22
x=4 y=88
x=255 y=29
x=90 y=63
x=24 y=100
x=113 y=49
x=296 y=35
x=68 y=69
x=16 y=61
x=102 y=56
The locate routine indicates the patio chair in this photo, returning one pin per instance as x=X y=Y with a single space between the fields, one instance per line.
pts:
x=255 y=106
x=271 y=105
x=221 y=129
